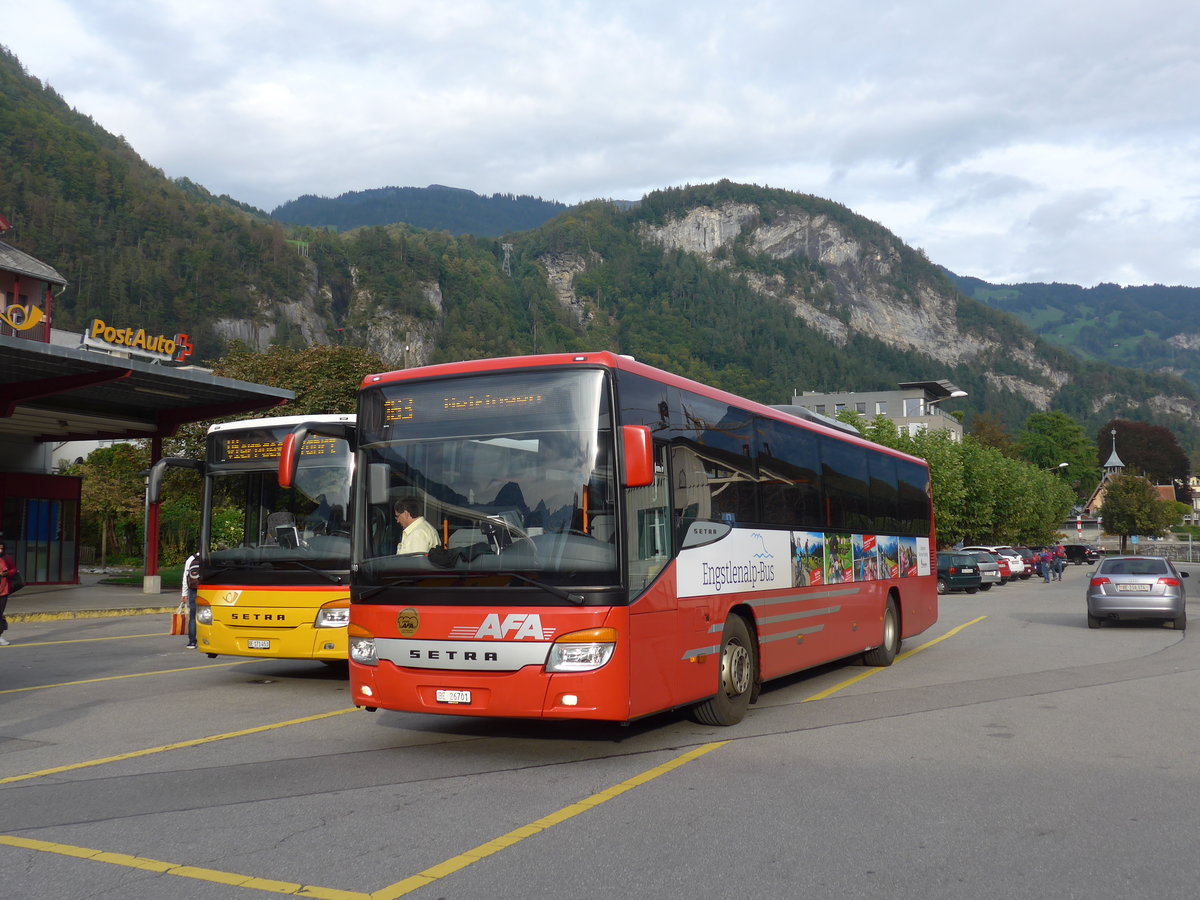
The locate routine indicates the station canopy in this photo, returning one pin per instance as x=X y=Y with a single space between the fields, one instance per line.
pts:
x=55 y=393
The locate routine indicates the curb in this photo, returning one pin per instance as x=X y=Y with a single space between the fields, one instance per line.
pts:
x=88 y=614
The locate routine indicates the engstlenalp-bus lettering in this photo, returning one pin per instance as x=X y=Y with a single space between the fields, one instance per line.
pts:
x=750 y=573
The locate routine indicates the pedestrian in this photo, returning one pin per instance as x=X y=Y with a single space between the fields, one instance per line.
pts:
x=8 y=568
x=188 y=585
x=1047 y=561
x=1060 y=561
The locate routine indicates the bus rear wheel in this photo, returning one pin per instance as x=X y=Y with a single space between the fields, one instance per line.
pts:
x=739 y=671
x=885 y=653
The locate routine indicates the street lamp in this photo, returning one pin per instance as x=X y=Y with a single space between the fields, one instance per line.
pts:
x=1054 y=468
x=954 y=395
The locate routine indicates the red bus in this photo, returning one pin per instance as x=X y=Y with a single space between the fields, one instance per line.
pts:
x=613 y=541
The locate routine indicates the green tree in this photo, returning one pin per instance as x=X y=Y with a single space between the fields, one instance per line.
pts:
x=1132 y=506
x=324 y=378
x=1150 y=450
x=988 y=430
x=1051 y=438
x=112 y=497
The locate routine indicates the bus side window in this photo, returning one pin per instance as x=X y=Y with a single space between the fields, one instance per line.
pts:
x=647 y=526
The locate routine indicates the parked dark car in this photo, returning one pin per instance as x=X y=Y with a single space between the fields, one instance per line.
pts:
x=1136 y=587
x=1081 y=553
x=957 y=572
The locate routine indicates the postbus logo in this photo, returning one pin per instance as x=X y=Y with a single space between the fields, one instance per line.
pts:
x=19 y=317
x=176 y=348
x=408 y=621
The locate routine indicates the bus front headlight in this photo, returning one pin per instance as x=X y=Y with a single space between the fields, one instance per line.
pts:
x=333 y=615
x=203 y=614
x=582 y=651
x=361 y=646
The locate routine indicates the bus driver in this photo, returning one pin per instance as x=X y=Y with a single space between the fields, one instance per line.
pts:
x=419 y=536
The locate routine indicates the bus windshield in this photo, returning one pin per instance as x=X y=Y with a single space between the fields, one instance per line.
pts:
x=512 y=472
x=253 y=521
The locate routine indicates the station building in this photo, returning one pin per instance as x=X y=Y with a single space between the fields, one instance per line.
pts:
x=914 y=405
x=116 y=381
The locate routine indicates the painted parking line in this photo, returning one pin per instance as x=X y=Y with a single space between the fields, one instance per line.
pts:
x=62 y=684
x=179 y=745
x=906 y=655
x=400 y=888
x=230 y=879
x=483 y=851
x=16 y=648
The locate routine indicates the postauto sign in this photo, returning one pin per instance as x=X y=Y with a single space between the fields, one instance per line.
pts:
x=104 y=336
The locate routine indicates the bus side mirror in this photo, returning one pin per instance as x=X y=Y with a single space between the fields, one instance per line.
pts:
x=154 y=485
x=289 y=456
x=639 y=455
x=378 y=477
x=289 y=453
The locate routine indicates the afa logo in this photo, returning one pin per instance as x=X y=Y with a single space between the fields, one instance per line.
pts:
x=20 y=317
x=514 y=627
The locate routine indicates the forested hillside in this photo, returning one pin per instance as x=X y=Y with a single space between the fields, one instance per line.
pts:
x=759 y=291
x=436 y=208
x=134 y=245
x=1150 y=327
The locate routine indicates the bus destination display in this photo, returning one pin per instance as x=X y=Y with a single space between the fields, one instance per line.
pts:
x=406 y=409
x=267 y=447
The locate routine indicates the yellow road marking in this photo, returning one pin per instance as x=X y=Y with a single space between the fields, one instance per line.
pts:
x=229 y=879
x=195 y=742
x=867 y=674
x=119 y=637
x=483 y=851
x=400 y=888
x=42 y=687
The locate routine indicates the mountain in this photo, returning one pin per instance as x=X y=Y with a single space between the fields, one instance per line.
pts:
x=759 y=291
x=135 y=246
x=436 y=208
x=1150 y=327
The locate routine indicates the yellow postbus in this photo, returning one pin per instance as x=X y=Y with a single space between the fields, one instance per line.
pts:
x=274 y=562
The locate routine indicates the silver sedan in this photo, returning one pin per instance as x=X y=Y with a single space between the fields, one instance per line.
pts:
x=1136 y=587
x=989 y=569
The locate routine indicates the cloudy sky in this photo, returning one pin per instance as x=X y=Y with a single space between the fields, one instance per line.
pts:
x=1052 y=140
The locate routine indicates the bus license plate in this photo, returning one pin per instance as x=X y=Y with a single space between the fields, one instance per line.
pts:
x=444 y=696
x=258 y=645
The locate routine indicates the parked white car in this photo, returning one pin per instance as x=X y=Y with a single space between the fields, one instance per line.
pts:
x=1016 y=562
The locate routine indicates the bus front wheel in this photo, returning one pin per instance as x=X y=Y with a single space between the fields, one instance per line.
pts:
x=736 y=682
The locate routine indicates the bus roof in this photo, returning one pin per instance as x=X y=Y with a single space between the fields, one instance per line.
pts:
x=609 y=360
x=278 y=421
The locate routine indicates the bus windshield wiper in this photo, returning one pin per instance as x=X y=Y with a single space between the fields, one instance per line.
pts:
x=235 y=567
x=569 y=596
x=336 y=579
